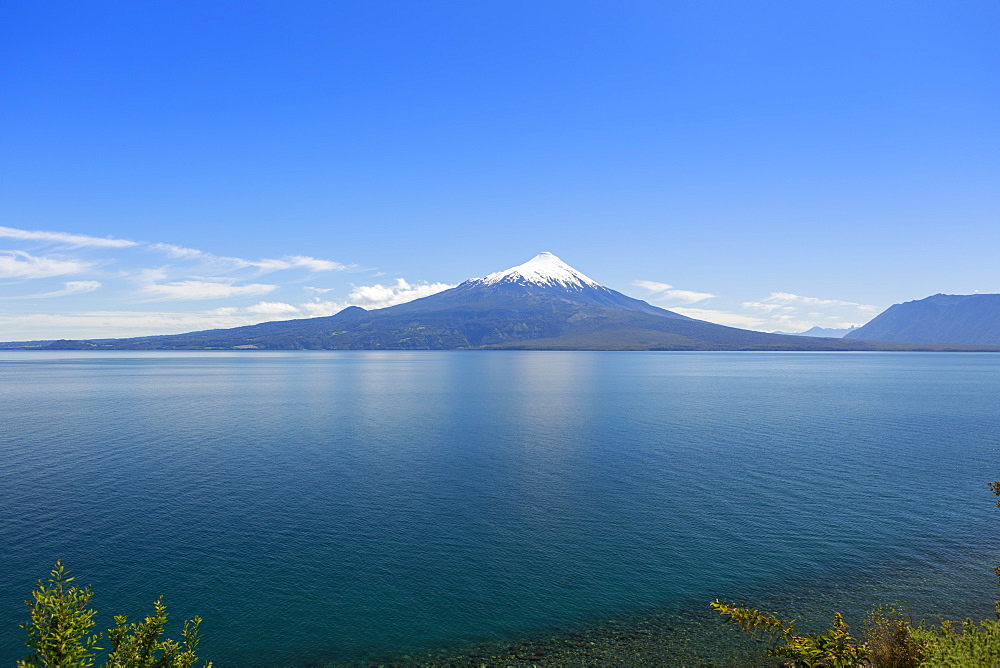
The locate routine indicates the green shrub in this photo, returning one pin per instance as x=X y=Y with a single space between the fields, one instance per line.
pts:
x=59 y=632
x=890 y=640
x=60 y=624
x=834 y=648
x=964 y=645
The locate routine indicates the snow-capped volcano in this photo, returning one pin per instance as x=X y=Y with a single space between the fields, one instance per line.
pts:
x=543 y=269
x=544 y=277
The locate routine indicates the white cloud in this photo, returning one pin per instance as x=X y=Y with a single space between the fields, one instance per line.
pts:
x=298 y=262
x=18 y=264
x=318 y=308
x=151 y=275
x=271 y=308
x=776 y=299
x=65 y=238
x=722 y=317
x=192 y=289
x=69 y=288
x=73 y=288
x=770 y=319
x=687 y=296
x=117 y=324
x=789 y=312
x=760 y=306
x=371 y=297
x=789 y=323
x=260 y=308
x=653 y=286
x=365 y=296
x=173 y=250
x=264 y=266
x=130 y=270
x=666 y=292
x=178 y=251
x=380 y=296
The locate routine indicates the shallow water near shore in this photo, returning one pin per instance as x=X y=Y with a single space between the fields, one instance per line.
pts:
x=324 y=508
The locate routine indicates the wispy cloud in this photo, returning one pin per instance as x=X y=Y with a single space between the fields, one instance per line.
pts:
x=263 y=266
x=19 y=264
x=180 y=278
x=792 y=324
x=779 y=311
x=65 y=238
x=178 y=251
x=72 y=288
x=192 y=289
x=779 y=299
x=137 y=271
x=260 y=308
x=69 y=288
x=789 y=312
x=105 y=324
x=665 y=292
x=722 y=317
x=298 y=262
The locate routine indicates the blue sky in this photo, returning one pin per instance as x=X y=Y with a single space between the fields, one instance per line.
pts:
x=776 y=164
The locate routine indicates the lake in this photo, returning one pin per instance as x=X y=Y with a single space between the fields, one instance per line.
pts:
x=323 y=507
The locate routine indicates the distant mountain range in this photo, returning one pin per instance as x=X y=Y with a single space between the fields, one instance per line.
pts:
x=964 y=319
x=542 y=304
x=823 y=332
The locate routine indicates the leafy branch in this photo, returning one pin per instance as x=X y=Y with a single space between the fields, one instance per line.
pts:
x=59 y=632
x=891 y=641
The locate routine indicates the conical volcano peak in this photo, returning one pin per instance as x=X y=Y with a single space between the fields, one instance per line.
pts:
x=543 y=269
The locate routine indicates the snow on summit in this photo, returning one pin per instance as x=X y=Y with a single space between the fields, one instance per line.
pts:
x=543 y=269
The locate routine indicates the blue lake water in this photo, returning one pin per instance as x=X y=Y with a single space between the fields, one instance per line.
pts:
x=320 y=507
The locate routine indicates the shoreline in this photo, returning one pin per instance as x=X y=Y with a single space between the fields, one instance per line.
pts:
x=690 y=633
x=669 y=638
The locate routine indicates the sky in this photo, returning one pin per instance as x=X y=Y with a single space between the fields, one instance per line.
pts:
x=169 y=166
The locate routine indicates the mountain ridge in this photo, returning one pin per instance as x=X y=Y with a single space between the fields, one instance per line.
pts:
x=541 y=304
x=822 y=332
x=953 y=319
